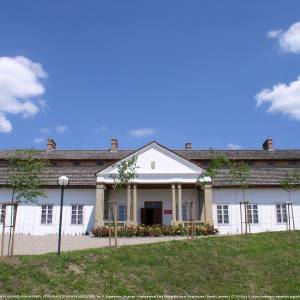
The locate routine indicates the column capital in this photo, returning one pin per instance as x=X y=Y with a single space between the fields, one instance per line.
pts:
x=134 y=186
x=100 y=185
x=207 y=186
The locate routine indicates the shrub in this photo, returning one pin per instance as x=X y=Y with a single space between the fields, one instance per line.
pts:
x=155 y=230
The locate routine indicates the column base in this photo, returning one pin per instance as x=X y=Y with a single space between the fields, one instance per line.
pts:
x=98 y=224
x=176 y=223
x=131 y=223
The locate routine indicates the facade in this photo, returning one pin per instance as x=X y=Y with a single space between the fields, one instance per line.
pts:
x=163 y=192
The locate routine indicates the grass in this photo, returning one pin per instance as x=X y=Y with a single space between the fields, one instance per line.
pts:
x=257 y=264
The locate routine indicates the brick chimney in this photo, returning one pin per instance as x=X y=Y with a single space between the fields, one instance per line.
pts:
x=188 y=146
x=268 y=144
x=51 y=145
x=114 y=145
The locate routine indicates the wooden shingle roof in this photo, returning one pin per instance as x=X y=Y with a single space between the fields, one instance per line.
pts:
x=84 y=175
x=188 y=154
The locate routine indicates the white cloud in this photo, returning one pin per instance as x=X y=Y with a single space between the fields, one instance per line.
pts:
x=234 y=146
x=274 y=33
x=102 y=129
x=45 y=130
x=20 y=89
x=289 y=40
x=142 y=132
x=283 y=98
x=61 y=128
x=39 y=140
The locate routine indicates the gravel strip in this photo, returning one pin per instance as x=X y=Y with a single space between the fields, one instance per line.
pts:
x=38 y=244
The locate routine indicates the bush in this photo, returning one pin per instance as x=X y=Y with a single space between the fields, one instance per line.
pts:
x=155 y=230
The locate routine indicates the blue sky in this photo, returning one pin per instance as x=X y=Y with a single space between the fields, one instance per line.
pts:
x=179 y=70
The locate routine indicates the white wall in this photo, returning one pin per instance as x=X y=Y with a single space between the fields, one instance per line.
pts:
x=266 y=198
x=29 y=215
x=163 y=195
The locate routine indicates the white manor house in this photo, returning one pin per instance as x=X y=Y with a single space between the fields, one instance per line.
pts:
x=162 y=191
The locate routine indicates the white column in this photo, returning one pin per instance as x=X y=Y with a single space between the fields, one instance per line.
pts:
x=173 y=189
x=99 y=205
x=128 y=203
x=208 y=198
x=179 y=203
x=134 y=210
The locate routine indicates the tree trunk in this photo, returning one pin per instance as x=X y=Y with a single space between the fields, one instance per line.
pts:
x=11 y=222
x=14 y=230
x=3 y=232
x=115 y=224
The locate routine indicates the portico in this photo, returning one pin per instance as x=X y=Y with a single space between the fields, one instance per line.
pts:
x=161 y=191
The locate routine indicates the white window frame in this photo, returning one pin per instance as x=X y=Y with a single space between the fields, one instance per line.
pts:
x=222 y=209
x=125 y=212
x=76 y=216
x=281 y=214
x=1 y=213
x=47 y=213
x=251 y=209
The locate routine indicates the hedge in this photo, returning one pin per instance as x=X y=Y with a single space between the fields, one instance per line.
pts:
x=155 y=230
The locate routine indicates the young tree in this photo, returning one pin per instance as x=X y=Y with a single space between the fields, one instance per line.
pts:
x=290 y=183
x=25 y=180
x=126 y=173
x=216 y=164
x=239 y=174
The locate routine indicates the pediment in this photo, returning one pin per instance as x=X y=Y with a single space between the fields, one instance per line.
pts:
x=154 y=160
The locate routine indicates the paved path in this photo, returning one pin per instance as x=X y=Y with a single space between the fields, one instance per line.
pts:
x=38 y=244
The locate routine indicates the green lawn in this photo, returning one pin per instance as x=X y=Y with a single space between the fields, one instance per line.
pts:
x=257 y=264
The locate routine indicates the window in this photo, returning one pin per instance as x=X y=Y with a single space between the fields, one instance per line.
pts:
x=1 y=214
x=77 y=215
x=281 y=213
x=153 y=165
x=184 y=212
x=223 y=214
x=122 y=212
x=252 y=213
x=47 y=213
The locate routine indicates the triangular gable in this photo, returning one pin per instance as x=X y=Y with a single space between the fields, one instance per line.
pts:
x=154 y=161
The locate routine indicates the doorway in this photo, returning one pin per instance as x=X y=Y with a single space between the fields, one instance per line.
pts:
x=152 y=213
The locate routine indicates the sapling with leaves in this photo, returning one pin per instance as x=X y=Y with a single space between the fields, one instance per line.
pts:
x=25 y=180
x=290 y=183
x=238 y=174
x=126 y=173
x=218 y=163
